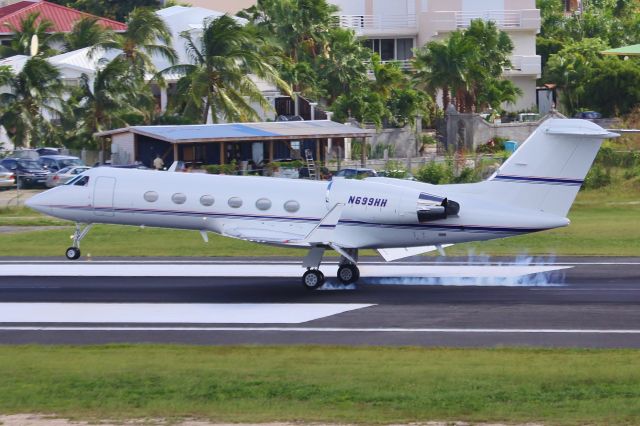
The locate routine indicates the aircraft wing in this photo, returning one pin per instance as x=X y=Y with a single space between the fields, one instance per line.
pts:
x=321 y=234
x=392 y=254
x=261 y=235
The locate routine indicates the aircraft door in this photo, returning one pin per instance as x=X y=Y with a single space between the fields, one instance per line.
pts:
x=103 y=196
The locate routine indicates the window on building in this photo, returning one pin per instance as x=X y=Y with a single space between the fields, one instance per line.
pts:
x=387 y=49
x=405 y=49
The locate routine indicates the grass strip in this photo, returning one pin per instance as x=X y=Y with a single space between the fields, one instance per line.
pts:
x=322 y=384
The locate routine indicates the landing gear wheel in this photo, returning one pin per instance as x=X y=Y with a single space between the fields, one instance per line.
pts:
x=72 y=253
x=312 y=279
x=348 y=274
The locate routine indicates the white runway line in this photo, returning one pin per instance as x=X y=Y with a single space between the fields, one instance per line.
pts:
x=89 y=269
x=332 y=330
x=183 y=313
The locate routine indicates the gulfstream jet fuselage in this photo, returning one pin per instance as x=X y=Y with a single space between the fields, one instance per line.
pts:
x=531 y=192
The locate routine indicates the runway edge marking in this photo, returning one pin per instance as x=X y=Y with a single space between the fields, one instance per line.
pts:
x=330 y=330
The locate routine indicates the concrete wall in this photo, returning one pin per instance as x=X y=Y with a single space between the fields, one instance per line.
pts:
x=468 y=131
x=404 y=141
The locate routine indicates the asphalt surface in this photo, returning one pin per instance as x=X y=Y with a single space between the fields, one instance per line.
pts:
x=596 y=303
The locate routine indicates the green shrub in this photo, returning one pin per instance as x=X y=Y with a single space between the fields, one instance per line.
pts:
x=222 y=169
x=492 y=146
x=356 y=150
x=435 y=173
x=377 y=151
x=467 y=175
x=598 y=177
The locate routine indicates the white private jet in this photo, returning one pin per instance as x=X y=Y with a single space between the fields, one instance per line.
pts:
x=532 y=191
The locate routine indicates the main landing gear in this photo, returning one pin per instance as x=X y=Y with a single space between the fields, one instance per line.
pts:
x=73 y=252
x=348 y=272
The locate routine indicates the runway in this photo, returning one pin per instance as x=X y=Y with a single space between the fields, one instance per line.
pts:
x=567 y=302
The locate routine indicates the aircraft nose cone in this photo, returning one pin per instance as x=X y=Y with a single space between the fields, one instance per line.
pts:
x=38 y=203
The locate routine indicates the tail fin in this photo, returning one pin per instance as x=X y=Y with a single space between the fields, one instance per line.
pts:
x=546 y=172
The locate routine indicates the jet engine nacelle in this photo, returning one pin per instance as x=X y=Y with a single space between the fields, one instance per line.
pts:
x=384 y=203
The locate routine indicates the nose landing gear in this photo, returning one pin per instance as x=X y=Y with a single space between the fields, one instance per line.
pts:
x=73 y=252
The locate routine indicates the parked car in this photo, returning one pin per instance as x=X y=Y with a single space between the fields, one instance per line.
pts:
x=47 y=150
x=359 y=173
x=7 y=178
x=64 y=175
x=54 y=163
x=28 y=172
x=588 y=115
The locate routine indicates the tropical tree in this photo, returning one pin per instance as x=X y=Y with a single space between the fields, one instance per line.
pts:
x=301 y=26
x=469 y=65
x=218 y=79
x=31 y=25
x=114 y=9
x=146 y=35
x=570 y=70
x=386 y=98
x=441 y=65
x=32 y=93
x=86 y=32
x=343 y=67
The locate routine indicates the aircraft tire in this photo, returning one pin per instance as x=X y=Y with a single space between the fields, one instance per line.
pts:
x=312 y=279
x=72 y=253
x=348 y=274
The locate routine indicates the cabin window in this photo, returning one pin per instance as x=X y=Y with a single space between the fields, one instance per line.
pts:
x=207 y=200
x=179 y=198
x=263 y=204
x=83 y=181
x=292 y=206
x=235 y=202
x=151 y=196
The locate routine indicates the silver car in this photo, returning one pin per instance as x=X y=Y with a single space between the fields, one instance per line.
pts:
x=7 y=178
x=64 y=175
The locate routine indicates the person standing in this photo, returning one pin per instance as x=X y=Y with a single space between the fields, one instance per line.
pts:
x=158 y=163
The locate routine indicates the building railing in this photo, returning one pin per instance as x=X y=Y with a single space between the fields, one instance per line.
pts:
x=524 y=64
x=502 y=18
x=376 y=22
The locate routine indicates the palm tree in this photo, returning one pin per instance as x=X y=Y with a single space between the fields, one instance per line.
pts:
x=86 y=32
x=105 y=102
x=33 y=92
x=146 y=35
x=31 y=25
x=442 y=65
x=218 y=80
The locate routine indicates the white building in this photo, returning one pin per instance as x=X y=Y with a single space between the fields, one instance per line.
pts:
x=394 y=27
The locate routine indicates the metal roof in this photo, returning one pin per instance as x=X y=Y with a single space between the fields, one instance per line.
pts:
x=633 y=50
x=62 y=17
x=278 y=130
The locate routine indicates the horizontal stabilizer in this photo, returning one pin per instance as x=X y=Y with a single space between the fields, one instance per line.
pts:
x=582 y=132
x=391 y=254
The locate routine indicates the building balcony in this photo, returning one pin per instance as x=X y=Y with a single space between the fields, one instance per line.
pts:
x=524 y=65
x=377 y=25
x=449 y=21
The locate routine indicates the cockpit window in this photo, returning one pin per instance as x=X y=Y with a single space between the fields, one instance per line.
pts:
x=83 y=181
x=74 y=180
